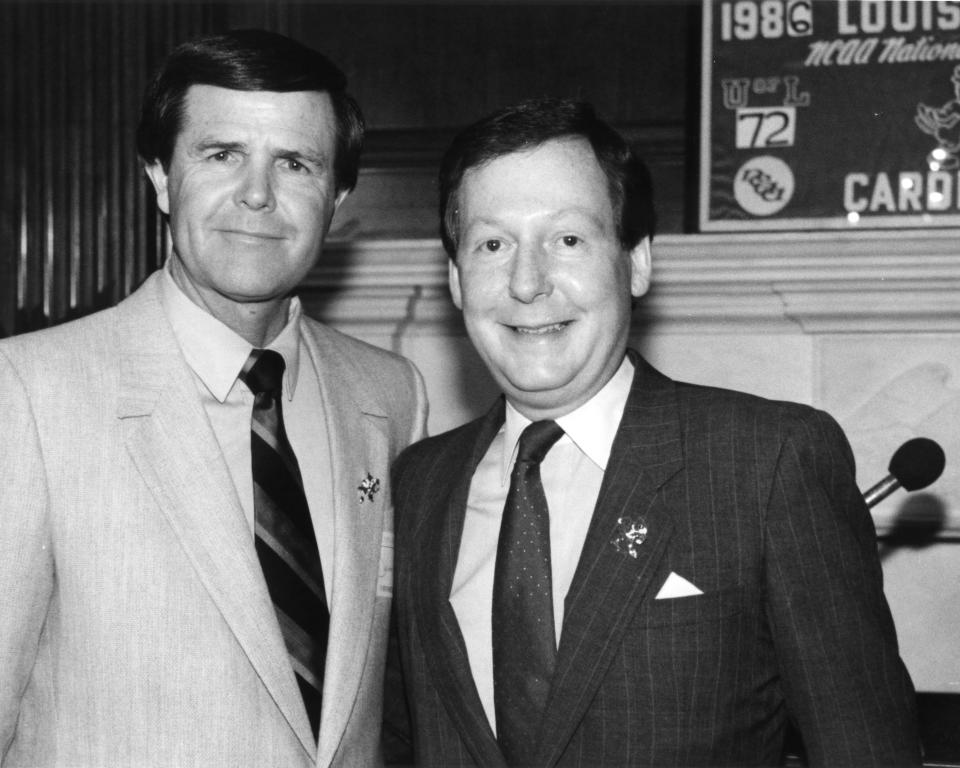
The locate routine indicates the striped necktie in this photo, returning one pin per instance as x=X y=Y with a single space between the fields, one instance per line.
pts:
x=524 y=639
x=285 y=540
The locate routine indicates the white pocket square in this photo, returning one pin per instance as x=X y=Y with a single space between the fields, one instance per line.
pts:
x=677 y=586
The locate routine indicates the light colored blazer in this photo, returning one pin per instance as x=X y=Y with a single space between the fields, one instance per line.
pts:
x=135 y=624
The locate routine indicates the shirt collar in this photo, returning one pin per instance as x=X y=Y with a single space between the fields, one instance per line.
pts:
x=591 y=427
x=216 y=353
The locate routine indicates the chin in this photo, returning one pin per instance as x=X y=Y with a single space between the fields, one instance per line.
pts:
x=255 y=294
x=541 y=392
x=541 y=376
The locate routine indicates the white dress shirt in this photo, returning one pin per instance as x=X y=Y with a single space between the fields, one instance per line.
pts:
x=571 y=474
x=216 y=354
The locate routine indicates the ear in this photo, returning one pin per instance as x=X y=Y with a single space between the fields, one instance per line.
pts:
x=453 y=279
x=640 y=268
x=159 y=178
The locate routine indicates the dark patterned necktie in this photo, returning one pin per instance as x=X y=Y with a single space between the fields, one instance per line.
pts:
x=285 y=541
x=524 y=639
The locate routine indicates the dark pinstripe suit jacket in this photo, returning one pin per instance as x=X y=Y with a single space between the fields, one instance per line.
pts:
x=755 y=503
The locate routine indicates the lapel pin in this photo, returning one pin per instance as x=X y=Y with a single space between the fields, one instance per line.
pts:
x=630 y=534
x=369 y=488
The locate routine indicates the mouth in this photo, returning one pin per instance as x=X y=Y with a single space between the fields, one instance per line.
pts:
x=540 y=330
x=248 y=235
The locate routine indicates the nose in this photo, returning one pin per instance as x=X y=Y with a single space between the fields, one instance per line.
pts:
x=255 y=187
x=530 y=274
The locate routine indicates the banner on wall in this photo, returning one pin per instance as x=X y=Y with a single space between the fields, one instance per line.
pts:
x=828 y=114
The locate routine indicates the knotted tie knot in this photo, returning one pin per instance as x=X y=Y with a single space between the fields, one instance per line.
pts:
x=263 y=373
x=537 y=440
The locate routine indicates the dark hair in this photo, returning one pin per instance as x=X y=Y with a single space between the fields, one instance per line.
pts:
x=247 y=60
x=528 y=125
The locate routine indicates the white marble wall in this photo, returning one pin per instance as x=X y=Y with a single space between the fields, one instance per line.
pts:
x=863 y=324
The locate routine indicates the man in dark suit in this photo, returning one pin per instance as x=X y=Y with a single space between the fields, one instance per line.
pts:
x=667 y=578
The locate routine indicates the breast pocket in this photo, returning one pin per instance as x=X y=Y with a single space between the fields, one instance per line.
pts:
x=695 y=609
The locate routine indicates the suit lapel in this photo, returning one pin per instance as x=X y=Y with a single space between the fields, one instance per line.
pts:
x=169 y=438
x=432 y=580
x=358 y=446
x=609 y=585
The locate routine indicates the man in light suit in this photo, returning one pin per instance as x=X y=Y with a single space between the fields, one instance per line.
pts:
x=138 y=625
x=703 y=566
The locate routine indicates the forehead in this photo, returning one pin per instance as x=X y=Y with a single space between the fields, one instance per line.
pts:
x=560 y=172
x=301 y=117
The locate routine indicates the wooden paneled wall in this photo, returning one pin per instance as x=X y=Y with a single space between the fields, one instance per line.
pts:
x=79 y=227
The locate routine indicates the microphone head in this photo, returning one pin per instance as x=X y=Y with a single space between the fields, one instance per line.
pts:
x=917 y=463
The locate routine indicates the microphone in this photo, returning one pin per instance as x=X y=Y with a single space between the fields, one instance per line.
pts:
x=915 y=464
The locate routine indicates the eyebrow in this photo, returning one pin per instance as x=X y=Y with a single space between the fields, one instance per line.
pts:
x=205 y=145
x=577 y=210
x=294 y=154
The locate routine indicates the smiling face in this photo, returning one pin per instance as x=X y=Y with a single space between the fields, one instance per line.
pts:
x=250 y=193
x=543 y=281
